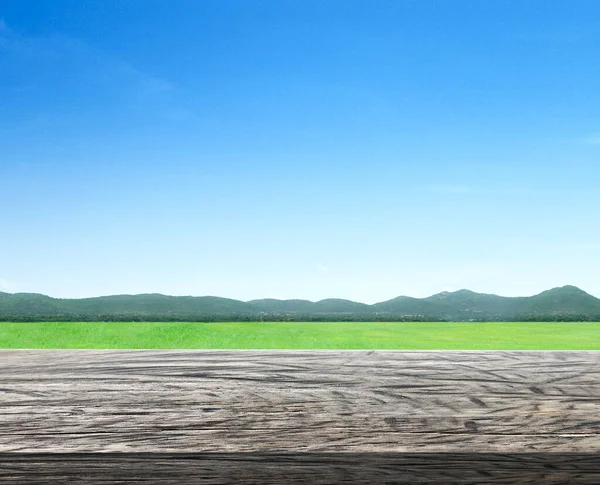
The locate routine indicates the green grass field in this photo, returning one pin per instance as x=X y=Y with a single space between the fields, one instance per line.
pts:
x=314 y=335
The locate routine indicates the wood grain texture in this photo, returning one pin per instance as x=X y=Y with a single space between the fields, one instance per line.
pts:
x=299 y=401
x=298 y=417
x=300 y=469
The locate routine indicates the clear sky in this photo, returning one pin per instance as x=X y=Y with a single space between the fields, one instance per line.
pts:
x=299 y=149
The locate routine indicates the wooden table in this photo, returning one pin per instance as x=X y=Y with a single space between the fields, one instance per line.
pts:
x=216 y=417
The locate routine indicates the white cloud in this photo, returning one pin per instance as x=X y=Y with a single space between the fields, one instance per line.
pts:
x=322 y=268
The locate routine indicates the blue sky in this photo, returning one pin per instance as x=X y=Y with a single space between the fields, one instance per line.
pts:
x=299 y=149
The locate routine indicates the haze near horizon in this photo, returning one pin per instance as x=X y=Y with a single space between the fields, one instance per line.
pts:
x=299 y=149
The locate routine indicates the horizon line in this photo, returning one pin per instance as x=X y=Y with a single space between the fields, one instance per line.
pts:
x=296 y=299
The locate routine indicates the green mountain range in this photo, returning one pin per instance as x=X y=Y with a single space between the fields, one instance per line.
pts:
x=567 y=302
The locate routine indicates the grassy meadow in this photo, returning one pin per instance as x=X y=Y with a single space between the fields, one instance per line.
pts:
x=299 y=335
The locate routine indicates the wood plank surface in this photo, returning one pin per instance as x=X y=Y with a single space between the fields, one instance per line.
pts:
x=288 y=413
x=290 y=401
x=300 y=469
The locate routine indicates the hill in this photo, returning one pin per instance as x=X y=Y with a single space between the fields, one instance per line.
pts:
x=567 y=302
x=330 y=305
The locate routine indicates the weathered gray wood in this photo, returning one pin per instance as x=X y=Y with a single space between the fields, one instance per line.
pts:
x=299 y=417
x=319 y=401
x=301 y=469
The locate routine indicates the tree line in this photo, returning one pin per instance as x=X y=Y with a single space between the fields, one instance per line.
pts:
x=299 y=317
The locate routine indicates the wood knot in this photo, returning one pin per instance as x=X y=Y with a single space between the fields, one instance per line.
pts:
x=391 y=421
x=471 y=426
